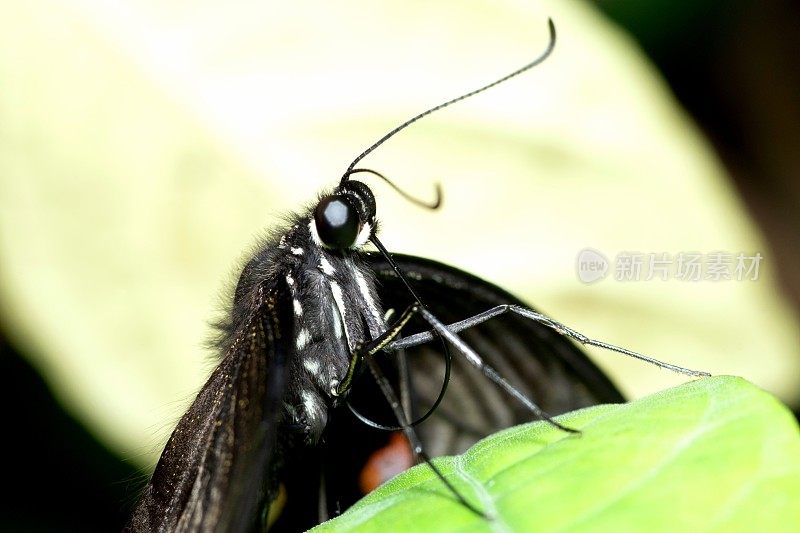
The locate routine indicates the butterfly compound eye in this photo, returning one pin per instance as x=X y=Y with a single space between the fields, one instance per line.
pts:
x=337 y=222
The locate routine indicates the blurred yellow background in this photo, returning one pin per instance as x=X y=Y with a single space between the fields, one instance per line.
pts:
x=144 y=146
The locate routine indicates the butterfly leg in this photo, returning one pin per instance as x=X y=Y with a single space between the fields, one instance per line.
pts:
x=462 y=347
x=371 y=348
x=560 y=328
x=475 y=360
x=411 y=435
x=365 y=353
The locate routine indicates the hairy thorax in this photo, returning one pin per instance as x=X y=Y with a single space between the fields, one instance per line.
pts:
x=335 y=310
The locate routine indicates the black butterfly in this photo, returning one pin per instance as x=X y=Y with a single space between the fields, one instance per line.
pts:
x=309 y=312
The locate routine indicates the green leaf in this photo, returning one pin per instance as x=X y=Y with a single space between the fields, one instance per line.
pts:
x=714 y=454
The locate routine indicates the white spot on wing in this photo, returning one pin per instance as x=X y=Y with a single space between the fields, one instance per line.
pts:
x=297 y=251
x=338 y=298
x=326 y=267
x=303 y=339
x=337 y=323
x=289 y=280
x=298 y=309
x=312 y=365
x=310 y=404
x=367 y=295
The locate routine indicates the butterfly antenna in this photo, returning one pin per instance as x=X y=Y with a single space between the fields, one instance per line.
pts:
x=404 y=390
x=448 y=362
x=416 y=201
x=412 y=120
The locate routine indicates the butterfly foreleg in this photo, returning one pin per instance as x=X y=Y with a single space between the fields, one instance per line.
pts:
x=408 y=430
x=427 y=336
x=371 y=348
x=475 y=360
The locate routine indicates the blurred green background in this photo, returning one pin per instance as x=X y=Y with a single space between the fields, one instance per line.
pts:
x=145 y=145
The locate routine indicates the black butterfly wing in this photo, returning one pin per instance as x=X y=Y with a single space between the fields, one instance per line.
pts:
x=537 y=360
x=217 y=469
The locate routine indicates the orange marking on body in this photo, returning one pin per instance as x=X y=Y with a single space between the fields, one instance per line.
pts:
x=385 y=463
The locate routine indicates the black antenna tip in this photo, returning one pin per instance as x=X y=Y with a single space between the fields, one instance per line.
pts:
x=415 y=118
x=551 y=26
x=436 y=204
x=427 y=205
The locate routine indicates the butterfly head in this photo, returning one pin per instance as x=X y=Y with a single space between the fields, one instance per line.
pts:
x=345 y=219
